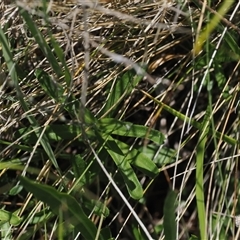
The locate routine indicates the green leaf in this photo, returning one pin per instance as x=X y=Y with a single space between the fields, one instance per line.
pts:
x=96 y=206
x=5 y=233
x=16 y=146
x=169 y=223
x=193 y=237
x=138 y=160
x=160 y=157
x=62 y=203
x=123 y=87
x=15 y=190
x=199 y=189
x=55 y=132
x=26 y=235
x=137 y=233
x=12 y=218
x=191 y=121
x=61 y=56
x=113 y=126
x=41 y=216
x=106 y=233
x=53 y=89
x=41 y=42
x=13 y=73
x=233 y=45
x=79 y=165
x=130 y=179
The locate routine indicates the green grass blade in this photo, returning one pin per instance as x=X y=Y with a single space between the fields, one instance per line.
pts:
x=53 y=89
x=41 y=42
x=16 y=146
x=64 y=203
x=204 y=35
x=120 y=128
x=60 y=54
x=123 y=87
x=200 y=156
x=57 y=132
x=192 y=122
x=169 y=223
x=14 y=76
x=200 y=185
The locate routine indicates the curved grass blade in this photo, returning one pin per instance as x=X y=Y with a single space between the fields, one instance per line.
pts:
x=14 y=76
x=194 y=123
x=204 y=35
x=62 y=203
x=41 y=42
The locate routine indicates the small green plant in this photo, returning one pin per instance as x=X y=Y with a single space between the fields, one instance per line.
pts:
x=90 y=148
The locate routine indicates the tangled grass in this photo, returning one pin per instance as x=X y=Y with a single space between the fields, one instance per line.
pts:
x=111 y=110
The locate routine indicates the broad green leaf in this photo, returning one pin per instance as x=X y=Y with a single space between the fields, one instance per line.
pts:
x=4 y=229
x=62 y=203
x=160 y=157
x=12 y=218
x=169 y=223
x=84 y=173
x=55 y=132
x=138 y=160
x=113 y=126
x=130 y=179
x=6 y=187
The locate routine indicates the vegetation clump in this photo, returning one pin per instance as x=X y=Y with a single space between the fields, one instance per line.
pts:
x=119 y=119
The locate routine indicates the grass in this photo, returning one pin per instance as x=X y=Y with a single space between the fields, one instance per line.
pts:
x=119 y=120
